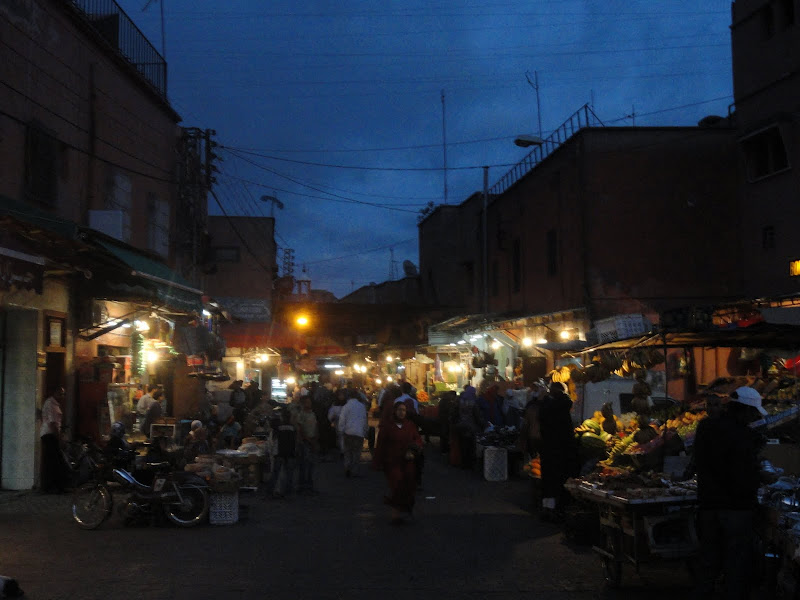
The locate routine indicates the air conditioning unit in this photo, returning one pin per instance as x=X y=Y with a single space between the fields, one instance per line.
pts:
x=110 y=222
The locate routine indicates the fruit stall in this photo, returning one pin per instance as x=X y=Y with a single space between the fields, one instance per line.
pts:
x=637 y=474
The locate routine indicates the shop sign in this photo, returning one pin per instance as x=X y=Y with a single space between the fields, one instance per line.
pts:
x=21 y=271
x=794 y=268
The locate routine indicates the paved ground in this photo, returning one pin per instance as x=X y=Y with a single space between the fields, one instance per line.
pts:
x=471 y=539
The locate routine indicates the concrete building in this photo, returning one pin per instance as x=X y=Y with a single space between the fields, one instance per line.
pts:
x=765 y=38
x=88 y=203
x=614 y=220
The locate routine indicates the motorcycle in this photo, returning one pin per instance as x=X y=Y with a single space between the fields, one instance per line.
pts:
x=180 y=496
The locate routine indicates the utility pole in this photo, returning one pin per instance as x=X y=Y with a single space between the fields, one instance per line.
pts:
x=288 y=262
x=485 y=259
x=392 y=271
x=444 y=146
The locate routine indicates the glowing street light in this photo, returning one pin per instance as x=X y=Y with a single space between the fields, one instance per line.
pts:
x=302 y=321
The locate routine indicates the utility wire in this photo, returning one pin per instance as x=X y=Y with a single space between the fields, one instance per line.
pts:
x=360 y=253
x=334 y=198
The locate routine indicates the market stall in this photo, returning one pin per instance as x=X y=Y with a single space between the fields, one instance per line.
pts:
x=637 y=474
x=642 y=518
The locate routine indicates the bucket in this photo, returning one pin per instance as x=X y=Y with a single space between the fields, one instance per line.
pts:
x=495 y=464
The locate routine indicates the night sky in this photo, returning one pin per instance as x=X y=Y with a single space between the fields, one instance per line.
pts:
x=336 y=109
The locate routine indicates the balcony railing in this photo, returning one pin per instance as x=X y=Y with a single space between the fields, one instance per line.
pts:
x=583 y=117
x=111 y=22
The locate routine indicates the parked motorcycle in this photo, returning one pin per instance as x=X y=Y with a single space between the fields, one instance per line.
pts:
x=180 y=496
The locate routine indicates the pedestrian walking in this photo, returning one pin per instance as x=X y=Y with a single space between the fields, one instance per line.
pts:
x=395 y=453
x=53 y=478
x=353 y=425
x=307 y=446
x=283 y=457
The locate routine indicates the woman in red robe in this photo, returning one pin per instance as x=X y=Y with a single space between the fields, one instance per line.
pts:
x=397 y=447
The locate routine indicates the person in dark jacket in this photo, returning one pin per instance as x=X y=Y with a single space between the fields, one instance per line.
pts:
x=726 y=459
x=558 y=449
x=448 y=404
x=283 y=457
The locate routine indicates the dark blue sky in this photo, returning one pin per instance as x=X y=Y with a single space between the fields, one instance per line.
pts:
x=335 y=107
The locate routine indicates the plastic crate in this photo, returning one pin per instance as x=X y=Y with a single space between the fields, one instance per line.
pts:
x=495 y=464
x=621 y=327
x=223 y=509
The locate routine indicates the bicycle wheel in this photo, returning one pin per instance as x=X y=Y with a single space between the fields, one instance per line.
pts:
x=91 y=505
x=192 y=510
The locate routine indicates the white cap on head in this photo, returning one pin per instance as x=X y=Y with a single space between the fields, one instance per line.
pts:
x=750 y=397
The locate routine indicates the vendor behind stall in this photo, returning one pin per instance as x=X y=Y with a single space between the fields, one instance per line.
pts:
x=726 y=458
x=558 y=449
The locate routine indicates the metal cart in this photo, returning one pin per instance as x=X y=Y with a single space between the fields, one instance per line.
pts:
x=641 y=529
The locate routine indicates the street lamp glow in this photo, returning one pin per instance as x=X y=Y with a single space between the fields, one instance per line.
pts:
x=389 y=358
x=527 y=342
x=564 y=334
x=302 y=321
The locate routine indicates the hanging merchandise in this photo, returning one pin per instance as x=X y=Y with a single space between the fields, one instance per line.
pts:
x=137 y=350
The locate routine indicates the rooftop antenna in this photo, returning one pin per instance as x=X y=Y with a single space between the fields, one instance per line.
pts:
x=535 y=85
x=163 y=35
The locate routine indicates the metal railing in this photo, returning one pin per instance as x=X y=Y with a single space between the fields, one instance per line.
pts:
x=583 y=117
x=115 y=26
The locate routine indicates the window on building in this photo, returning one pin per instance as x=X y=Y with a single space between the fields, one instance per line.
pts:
x=157 y=224
x=469 y=278
x=552 y=252
x=768 y=237
x=226 y=253
x=41 y=166
x=119 y=197
x=765 y=154
x=516 y=265
x=495 y=278
x=767 y=22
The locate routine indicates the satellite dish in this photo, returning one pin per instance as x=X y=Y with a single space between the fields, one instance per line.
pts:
x=410 y=269
x=711 y=121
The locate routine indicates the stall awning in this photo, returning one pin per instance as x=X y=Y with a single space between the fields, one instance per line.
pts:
x=324 y=347
x=260 y=335
x=760 y=335
x=163 y=284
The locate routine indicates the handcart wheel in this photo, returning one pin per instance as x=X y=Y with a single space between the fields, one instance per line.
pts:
x=612 y=568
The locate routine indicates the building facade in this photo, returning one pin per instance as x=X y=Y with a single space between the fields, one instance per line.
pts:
x=88 y=205
x=765 y=38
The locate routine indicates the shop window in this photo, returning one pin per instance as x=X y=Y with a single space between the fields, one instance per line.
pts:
x=516 y=265
x=119 y=195
x=765 y=154
x=41 y=166
x=768 y=237
x=157 y=225
x=552 y=252
x=226 y=253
